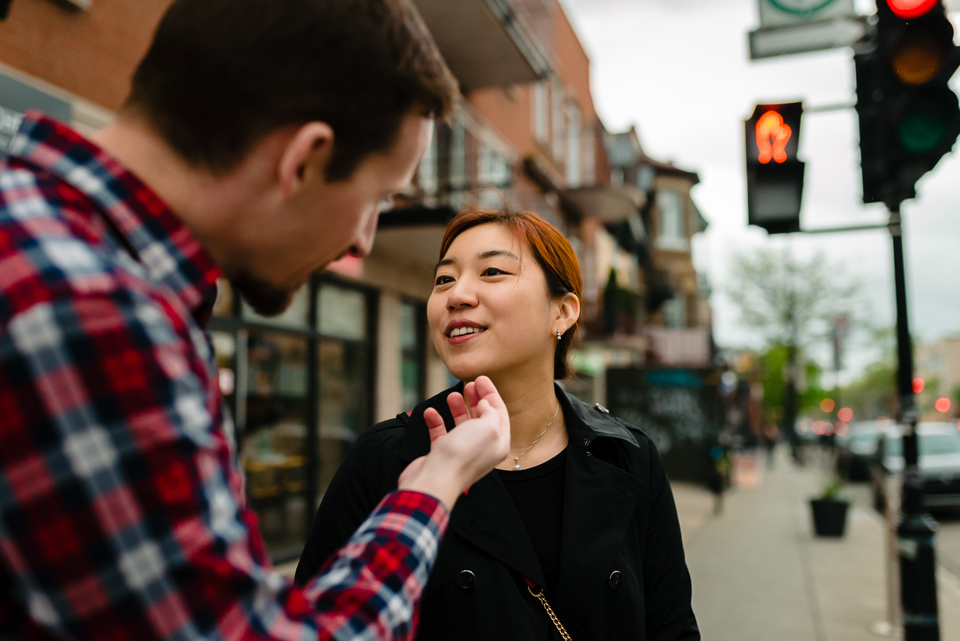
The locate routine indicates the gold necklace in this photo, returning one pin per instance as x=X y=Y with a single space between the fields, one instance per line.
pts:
x=516 y=459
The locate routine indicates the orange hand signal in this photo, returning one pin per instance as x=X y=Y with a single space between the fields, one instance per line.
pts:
x=772 y=137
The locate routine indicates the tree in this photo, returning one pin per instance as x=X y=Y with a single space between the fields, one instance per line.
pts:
x=874 y=394
x=773 y=364
x=789 y=300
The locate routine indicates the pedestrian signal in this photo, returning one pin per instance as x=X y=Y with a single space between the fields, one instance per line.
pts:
x=774 y=174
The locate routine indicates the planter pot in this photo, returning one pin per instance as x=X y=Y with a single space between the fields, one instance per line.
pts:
x=829 y=516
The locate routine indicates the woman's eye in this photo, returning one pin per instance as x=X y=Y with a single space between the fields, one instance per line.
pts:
x=492 y=271
x=443 y=280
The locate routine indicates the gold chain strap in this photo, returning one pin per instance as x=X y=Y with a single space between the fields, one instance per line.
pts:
x=553 y=617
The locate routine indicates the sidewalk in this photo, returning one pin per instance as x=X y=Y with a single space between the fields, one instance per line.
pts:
x=759 y=574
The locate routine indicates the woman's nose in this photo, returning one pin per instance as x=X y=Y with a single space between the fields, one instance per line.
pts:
x=462 y=294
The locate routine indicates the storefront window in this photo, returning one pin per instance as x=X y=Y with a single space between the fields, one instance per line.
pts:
x=273 y=443
x=225 y=350
x=411 y=357
x=342 y=312
x=346 y=387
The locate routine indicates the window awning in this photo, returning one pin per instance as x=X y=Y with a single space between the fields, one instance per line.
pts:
x=605 y=202
x=486 y=43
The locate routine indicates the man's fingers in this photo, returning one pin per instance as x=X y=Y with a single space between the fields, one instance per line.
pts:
x=458 y=408
x=471 y=396
x=434 y=423
x=485 y=389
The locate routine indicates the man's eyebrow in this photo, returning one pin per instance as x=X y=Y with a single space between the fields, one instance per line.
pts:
x=490 y=253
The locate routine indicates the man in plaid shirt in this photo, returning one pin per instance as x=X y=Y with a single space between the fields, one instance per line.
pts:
x=258 y=138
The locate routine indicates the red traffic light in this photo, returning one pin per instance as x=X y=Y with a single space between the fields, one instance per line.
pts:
x=911 y=8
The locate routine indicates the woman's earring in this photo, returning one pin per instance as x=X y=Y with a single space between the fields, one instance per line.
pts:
x=559 y=334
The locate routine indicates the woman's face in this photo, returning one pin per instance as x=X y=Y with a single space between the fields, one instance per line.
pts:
x=490 y=311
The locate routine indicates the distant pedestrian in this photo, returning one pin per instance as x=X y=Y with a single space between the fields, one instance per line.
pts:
x=769 y=437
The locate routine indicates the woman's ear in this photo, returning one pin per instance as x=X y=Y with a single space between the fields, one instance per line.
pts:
x=306 y=153
x=568 y=310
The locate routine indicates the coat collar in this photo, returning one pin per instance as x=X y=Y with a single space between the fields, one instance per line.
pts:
x=599 y=500
x=584 y=422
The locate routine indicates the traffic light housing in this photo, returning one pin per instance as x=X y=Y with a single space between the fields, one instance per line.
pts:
x=774 y=174
x=909 y=116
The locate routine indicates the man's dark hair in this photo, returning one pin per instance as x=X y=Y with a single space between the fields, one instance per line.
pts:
x=220 y=75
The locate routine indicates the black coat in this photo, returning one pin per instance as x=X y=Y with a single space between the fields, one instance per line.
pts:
x=622 y=572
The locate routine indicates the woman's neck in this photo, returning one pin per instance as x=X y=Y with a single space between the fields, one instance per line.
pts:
x=532 y=406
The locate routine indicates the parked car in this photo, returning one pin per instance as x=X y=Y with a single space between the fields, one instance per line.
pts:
x=858 y=450
x=938 y=459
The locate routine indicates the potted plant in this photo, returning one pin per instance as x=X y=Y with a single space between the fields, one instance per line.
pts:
x=830 y=510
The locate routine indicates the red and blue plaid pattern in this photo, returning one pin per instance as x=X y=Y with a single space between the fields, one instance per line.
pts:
x=121 y=509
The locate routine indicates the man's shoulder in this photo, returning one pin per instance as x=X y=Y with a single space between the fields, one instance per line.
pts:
x=52 y=246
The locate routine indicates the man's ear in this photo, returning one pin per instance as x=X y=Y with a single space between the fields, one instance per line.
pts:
x=569 y=310
x=308 y=150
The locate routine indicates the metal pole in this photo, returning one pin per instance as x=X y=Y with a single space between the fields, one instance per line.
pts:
x=915 y=532
x=790 y=392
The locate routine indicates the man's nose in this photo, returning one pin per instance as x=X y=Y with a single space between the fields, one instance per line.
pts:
x=363 y=244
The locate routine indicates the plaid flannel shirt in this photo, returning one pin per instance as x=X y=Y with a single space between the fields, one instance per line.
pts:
x=121 y=508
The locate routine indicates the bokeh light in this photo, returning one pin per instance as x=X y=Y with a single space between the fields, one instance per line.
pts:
x=917 y=385
x=827 y=405
x=942 y=405
x=845 y=414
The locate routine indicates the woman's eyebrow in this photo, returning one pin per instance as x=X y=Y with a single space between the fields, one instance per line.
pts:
x=490 y=253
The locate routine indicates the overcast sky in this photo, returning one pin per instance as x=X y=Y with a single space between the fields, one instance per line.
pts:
x=680 y=71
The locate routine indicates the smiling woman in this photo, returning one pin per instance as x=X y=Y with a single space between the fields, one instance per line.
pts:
x=575 y=533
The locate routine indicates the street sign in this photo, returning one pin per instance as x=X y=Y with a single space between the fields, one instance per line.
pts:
x=799 y=26
x=806 y=37
x=783 y=13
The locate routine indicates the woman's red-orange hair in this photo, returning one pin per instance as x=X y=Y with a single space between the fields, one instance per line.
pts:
x=552 y=251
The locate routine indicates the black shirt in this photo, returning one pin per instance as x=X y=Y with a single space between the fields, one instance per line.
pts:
x=538 y=494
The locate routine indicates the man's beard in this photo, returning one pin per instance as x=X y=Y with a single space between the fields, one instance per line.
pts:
x=264 y=298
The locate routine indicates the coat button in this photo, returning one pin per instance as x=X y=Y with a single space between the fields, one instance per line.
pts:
x=615 y=580
x=601 y=408
x=466 y=579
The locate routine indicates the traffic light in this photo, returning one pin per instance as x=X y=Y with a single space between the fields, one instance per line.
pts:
x=774 y=175
x=909 y=116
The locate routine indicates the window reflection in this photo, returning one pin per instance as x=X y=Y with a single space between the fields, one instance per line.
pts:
x=411 y=354
x=346 y=389
x=274 y=440
x=345 y=396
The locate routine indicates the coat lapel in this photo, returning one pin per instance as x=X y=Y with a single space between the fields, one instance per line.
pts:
x=486 y=515
x=599 y=501
x=488 y=518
